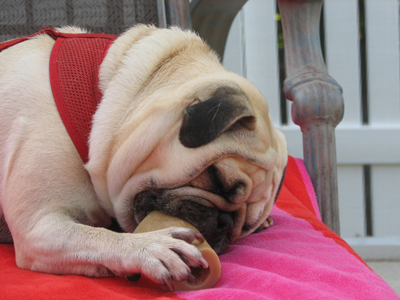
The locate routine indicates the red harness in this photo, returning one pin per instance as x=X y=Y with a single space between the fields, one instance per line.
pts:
x=74 y=67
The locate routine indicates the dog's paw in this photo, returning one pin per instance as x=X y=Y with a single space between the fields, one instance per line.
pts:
x=166 y=255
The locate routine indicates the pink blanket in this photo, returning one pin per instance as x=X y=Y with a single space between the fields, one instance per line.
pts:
x=296 y=258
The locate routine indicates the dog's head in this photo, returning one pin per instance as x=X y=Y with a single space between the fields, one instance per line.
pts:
x=185 y=137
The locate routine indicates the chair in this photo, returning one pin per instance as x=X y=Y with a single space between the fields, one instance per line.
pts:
x=318 y=108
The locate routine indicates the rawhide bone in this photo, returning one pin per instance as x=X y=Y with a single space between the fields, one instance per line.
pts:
x=206 y=278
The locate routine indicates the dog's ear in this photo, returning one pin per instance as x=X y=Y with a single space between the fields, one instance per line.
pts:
x=228 y=109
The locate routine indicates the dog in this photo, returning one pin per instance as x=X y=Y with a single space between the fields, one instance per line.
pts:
x=174 y=131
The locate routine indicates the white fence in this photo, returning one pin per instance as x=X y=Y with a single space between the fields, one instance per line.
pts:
x=368 y=147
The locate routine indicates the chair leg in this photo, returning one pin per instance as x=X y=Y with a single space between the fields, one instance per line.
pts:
x=317 y=100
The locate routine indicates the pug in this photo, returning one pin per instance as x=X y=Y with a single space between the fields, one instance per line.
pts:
x=174 y=131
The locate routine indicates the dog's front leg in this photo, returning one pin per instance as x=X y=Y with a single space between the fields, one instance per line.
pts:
x=59 y=245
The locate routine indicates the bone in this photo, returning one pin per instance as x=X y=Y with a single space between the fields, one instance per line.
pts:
x=206 y=278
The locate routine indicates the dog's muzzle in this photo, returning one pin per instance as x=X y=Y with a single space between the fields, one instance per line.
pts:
x=223 y=202
x=215 y=225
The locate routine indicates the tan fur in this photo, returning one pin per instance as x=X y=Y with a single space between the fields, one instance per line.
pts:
x=148 y=77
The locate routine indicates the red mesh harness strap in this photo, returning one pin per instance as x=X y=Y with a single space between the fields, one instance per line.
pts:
x=74 y=67
x=55 y=34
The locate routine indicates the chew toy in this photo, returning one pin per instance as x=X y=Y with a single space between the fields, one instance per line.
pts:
x=206 y=278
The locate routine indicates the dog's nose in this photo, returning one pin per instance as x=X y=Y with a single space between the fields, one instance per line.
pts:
x=228 y=181
x=225 y=223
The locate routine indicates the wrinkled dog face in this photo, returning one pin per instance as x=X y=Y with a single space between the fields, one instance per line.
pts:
x=228 y=197
x=194 y=141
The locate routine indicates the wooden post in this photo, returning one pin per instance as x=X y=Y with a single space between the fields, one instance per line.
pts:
x=317 y=100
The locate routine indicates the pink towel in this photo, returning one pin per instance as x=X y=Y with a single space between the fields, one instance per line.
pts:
x=296 y=258
x=291 y=260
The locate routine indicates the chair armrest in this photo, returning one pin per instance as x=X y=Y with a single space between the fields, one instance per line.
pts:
x=317 y=100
